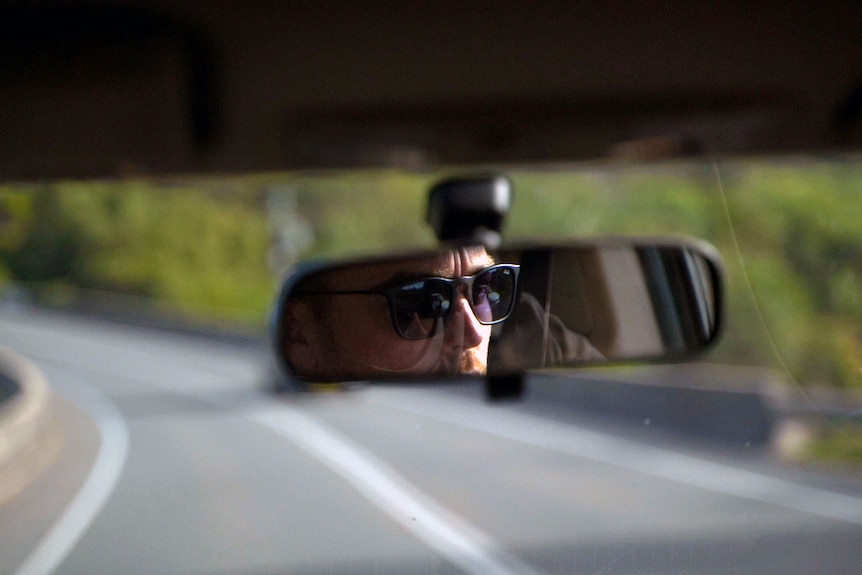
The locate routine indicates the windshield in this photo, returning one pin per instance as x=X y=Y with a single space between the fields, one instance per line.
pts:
x=152 y=432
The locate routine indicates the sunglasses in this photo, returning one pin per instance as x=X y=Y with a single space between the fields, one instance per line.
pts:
x=417 y=307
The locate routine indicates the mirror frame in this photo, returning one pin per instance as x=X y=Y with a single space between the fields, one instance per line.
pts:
x=701 y=247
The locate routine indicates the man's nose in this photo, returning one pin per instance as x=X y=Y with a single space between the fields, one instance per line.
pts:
x=464 y=318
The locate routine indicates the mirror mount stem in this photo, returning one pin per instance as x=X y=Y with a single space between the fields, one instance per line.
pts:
x=509 y=387
x=470 y=211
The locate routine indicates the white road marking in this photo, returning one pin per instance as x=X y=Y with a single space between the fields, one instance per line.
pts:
x=454 y=538
x=461 y=543
x=65 y=533
x=625 y=454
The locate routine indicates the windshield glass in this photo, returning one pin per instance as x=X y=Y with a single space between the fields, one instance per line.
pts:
x=154 y=439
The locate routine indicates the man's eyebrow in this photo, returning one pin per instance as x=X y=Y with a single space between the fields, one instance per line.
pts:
x=404 y=277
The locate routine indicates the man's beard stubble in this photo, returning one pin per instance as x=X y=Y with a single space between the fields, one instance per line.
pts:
x=472 y=364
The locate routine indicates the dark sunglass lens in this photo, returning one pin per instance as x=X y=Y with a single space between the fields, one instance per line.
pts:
x=417 y=307
x=494 y=294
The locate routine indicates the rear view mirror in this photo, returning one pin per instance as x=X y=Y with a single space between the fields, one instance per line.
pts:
x=472 y=311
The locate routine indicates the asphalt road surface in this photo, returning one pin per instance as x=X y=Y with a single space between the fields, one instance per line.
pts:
x=175 y=461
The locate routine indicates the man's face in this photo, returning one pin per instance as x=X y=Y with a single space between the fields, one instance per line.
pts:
x=357 y=335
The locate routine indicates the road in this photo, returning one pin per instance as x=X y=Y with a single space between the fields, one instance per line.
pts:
x=175 y=461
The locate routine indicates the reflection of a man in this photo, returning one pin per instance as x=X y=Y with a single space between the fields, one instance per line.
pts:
x=536 y=336
x=429 y=315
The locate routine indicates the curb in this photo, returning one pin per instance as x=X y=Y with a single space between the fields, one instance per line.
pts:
x=29 y=436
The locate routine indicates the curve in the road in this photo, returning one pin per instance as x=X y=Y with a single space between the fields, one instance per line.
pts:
x=65 y=533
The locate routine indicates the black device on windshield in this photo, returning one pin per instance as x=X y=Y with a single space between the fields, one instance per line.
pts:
x=470 y=209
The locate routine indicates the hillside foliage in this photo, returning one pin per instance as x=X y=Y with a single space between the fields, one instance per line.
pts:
x=214 y=248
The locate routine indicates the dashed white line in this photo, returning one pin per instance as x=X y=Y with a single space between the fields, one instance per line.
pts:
x=454 y=538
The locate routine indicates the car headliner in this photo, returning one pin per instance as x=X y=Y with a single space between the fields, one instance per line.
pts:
x=99 y=88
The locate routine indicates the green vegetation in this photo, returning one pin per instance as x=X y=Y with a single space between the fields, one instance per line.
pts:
x=204 y=246
x=841 y=445
x=799 y=263
x=201 y=247
x=187 y=246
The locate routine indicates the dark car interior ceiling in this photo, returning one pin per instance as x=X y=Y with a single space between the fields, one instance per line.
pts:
x=99 y=88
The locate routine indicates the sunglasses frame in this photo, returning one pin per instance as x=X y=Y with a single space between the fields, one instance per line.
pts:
x=454 y=284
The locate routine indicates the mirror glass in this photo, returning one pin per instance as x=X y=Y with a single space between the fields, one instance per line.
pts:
x=472 y=311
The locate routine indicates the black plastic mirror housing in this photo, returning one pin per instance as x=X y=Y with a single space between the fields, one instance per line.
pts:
x=473 y=311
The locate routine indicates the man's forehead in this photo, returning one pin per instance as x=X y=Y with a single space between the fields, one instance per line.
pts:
x=447 y=264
